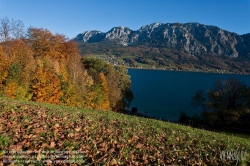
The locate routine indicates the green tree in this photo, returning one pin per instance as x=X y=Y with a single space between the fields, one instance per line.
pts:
x=118 y=82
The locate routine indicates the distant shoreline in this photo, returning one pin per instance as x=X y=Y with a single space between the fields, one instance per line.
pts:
x=200 y=71
x=151 y=67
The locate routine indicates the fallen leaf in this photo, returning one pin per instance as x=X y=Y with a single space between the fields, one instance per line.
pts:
x=109 y=131
x=71 y=135
x=103 y=144
x=111 y=150
x=39 y=157
x=15 y=147
x=113 y=162
x=78 y=129
x=138 y=146
x=52 y=144
x=38 y=130
x=103 y=149
x=45 y=145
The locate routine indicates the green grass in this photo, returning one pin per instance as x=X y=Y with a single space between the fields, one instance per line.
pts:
x=4 y=141
x=111 y=138
x=235 y=133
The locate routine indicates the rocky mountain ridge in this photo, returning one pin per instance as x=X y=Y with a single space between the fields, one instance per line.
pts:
x=190 y=38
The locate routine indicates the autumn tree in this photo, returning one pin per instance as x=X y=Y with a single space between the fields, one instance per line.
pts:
x=226 y=103
x=119 y=85
x=12 y=80
x=94 y=67
x=4 y=68
x=125 y=85
x=104 y=86
x=75 y=66
x=21 y=66
x=46 y=86
x=115 y=94
x=62 y=57
x=45 y=44
x=78 y=78
x=229 y=99
x=48 y=50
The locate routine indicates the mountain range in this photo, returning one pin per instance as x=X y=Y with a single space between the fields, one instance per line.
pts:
x=172 y=45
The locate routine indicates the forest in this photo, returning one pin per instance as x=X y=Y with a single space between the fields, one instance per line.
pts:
x=37 y=65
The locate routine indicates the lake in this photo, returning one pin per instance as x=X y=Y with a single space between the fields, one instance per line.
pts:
x=163 y=94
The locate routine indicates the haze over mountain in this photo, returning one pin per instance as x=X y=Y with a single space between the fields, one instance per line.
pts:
x=192 y=40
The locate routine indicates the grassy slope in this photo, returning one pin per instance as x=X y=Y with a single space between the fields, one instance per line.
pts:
x=110 y=138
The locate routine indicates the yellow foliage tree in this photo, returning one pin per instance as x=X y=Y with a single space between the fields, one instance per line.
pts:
x=22 y=93
x=97 y=97
x=21 y=54
x=17 y=64
x=104 y=85
x=4 y=69
x=46 y=86
x=10 y=90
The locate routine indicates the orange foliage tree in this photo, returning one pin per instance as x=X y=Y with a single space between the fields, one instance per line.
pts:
x=46 y=86
x=20 y=66
x=45 y=44
x=4 y=66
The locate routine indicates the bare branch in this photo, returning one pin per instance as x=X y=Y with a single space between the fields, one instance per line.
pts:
x=5 y=29
x=17 y=29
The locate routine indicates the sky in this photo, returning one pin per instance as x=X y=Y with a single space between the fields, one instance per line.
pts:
x=71 y=17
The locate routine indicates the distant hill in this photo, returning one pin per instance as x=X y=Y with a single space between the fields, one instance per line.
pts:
x=188 y=46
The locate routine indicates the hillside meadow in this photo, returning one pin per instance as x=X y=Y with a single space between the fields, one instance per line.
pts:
x=108 y=138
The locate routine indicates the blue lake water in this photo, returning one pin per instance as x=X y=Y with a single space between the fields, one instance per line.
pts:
x=163 y=94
